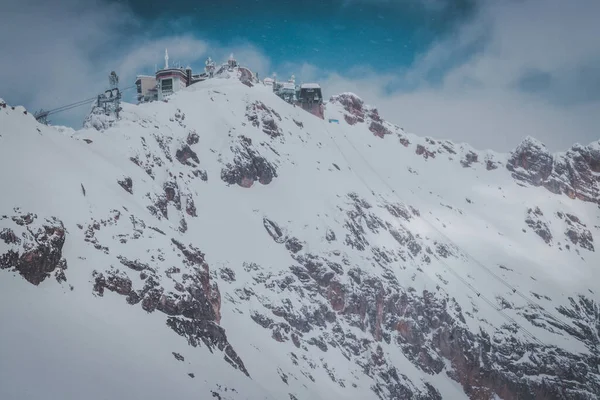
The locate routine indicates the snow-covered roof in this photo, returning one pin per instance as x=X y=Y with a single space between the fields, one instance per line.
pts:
x=288 y=85
x=310 y=86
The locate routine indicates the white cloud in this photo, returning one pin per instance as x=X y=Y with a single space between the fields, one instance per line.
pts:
x=478 y=98
x=533 y=68
x=56 y=53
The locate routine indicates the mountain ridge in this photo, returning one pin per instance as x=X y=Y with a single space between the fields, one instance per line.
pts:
x=255 y=231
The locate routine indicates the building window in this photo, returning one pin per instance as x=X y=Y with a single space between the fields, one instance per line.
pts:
x=167 y=85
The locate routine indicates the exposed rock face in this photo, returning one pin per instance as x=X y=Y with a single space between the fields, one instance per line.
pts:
x=192 y=138
x=212 y=335
x=422 y=151
x=190 y=206
x=261 y=116
x=248 y=166
x=127 y=184
x=574 y=173
x=34 y=246
x=531 y=162
x=429 y=327
x=379 y=129
x=536 y=222
x=194 y=306
x=359 y=293
x=358 y=112
x=353 y=104
x=185 y=154
x=577 y=232
x=470 y=158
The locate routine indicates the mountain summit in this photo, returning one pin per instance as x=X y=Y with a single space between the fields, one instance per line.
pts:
x=226 y=244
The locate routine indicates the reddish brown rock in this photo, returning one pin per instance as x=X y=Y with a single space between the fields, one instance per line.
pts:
x=422 y=151
x=39 y=252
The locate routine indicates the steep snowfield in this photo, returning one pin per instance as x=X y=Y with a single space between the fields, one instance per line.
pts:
x=282 y=256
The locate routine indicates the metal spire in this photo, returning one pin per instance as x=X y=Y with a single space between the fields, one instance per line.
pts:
x=166 y=59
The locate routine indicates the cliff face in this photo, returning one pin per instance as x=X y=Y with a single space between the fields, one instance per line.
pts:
x=575 y=173
x=237 y=247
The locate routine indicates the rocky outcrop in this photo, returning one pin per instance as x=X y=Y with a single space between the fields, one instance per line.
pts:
x=212 y=335
x=429 y=327
x=379 y=129
x=248 y=166
x=470 y=158
x=182 y=290
x=577 y=232
x=354 y=106
x=263 y=117
x=127 y=184
x=531 y=162
x=192 y=138
x=185 y=154
x=357 y=112
x=535 y=220
x=34 y=246
x=575 y=173
x=422 y=151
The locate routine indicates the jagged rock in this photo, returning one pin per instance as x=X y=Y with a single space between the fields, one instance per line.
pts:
x=172 y=194
x=422 y=151
x=293 y=245
x=449 y=147
x=404 y=141
x=127 y=184
x=573 y=173
x=209 y=333
x=353 y=105
x=399 y=211
x=227 y=274
x=530 y=162
x=201 y=174
x=469 y=159
x=184 y=154
x=192 y=138
x=578 y=234
x=534 y=221
x=159 y=208
x=114 y=281
x=379 y=129
x=134 y=265
x=38 y=252
x=190 y=207
x=248 y=166
x=9 y=237
x=330 y=235
x=274 y=230
x=258 y=113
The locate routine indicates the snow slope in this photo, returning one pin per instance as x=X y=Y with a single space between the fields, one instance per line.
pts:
x=229 y=235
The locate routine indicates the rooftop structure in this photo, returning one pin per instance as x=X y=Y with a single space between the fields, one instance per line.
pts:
x=165 y=82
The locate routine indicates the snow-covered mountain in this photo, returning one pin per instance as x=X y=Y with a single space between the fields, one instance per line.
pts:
x=228 y=245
